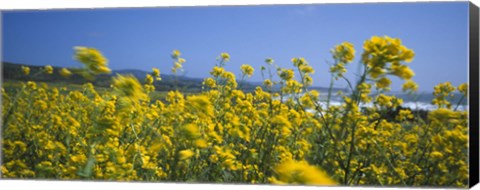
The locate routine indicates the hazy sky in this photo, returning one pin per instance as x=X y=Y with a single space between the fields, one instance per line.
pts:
x=143 y=38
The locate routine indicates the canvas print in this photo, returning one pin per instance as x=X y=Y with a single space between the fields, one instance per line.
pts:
x=371 y=94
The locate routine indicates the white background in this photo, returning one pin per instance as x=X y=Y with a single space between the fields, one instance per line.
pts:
x=62 y=4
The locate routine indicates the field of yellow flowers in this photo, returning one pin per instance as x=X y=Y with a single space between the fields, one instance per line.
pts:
x=225 y=135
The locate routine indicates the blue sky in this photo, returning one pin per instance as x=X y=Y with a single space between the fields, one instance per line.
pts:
x=142 y=38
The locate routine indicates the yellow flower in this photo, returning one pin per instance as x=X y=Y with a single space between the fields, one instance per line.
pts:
x=128 y=86
x=409 y=86
x=383 y=83
x=307 y=101
x=384 y=100
x=177 y=65
x=344 y=52
x=191 y=131
x=463 y=88
x=338 y=69
x=32 y=85
x=387 y=53
x=436 y=155
x=217 y=71
x=442 y=115
x=25 y=70
x=78 y=158
x=314 y=94
x=213 y=158
x=247 y=70
x=267 y=83
x=407 y=54
x=181 y=60
x=176 y=54
x=156 y=73
x=201 y=103
x=230 y=79
x=186 y=154
x=210 y=82
x=149 y=79
x=404 y=114
x=411 y=138
x=300 y=172
x=65 y=72
x=4 y=170
x=376 y=72
x=286 y=74
x=403 y=72
x=281 y=121
x=299 y=61
x=292 y=86
x=441 y=92
x=307 y=69
x=40 y=104
x=48 y=69
x=201 y=143
x=94 y=61
x=225 y=56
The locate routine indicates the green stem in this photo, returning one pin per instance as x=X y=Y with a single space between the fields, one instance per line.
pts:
x=330 y=91
x=459 y=102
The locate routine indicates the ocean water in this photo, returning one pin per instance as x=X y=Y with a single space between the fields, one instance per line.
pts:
x=419 y=101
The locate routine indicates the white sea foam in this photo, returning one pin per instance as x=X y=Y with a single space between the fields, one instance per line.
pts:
x=413 y=105
x=429 y=107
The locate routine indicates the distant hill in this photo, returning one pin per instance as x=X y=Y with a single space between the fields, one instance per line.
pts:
x=13 y=72
x=141 y=75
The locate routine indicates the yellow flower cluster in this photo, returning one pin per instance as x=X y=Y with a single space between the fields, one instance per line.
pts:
x=247 y=70
x=95 y=63
x=225 y=56
x=286 y=74
x=26 y=70
x=48 y=69
x=409 y=86
x=177 y=61
x=300 y=172
x=156 y=74
x=128 y=89
x=226 y=135
x=442 y=92
x=463 y=88
x=384 y=55
x=342 y=54
x=65 y=72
